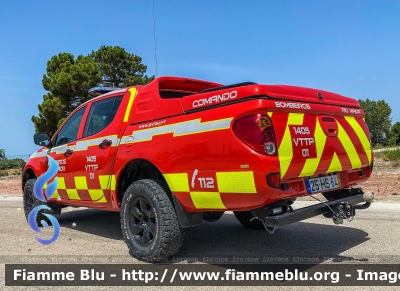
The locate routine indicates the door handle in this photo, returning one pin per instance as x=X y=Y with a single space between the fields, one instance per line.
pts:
x=68 y=153
x=105 y=144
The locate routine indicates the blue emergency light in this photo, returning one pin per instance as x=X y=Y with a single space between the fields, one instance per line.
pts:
x=102 y=89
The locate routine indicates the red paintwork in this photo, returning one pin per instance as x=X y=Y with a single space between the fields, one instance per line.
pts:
x=214 y=151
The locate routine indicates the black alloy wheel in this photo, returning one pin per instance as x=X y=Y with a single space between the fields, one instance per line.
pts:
x=149 y=222
x=143 y=221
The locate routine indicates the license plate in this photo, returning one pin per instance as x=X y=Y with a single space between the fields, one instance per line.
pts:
x=322 y=184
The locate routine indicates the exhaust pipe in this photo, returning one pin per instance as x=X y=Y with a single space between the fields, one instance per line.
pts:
x=368 y=198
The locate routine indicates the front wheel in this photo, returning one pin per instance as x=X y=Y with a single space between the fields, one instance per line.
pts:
x=30 y=201
x=149 y=223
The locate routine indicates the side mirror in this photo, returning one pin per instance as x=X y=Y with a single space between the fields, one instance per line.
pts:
x=42 y=139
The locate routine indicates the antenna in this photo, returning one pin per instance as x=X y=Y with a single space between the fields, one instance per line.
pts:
x=155 y=41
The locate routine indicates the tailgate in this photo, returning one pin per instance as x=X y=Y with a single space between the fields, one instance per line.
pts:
x=317 y=132
x=318 y=143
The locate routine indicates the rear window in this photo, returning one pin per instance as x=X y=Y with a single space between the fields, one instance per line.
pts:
x=178 y=88
x=174 y=94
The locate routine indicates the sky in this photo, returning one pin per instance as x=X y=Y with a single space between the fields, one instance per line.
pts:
x=347 y=47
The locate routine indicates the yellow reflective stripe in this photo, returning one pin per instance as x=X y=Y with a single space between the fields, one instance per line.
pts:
x=270 y=114
x=311 y=165
x=335 y=165
x=83 y=145
x=106 y=184
x=349 y=147
x=177 y=182
x=207 y=200
x=128 y=108
x=285 y=151
x=73 y=194
x=194 y=126
x=361 y=135
x=102 y=200
x=228 y=182
x=80 y=183
x=104 y=181
x=55 y=195
x=113 y=182
x=61 y=183
x=96 y=194
x=236 y=182
x=178 y=129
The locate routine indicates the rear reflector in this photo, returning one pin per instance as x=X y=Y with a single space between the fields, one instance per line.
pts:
x=274 y=180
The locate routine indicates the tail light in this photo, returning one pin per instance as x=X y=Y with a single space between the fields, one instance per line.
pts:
x=257 y=132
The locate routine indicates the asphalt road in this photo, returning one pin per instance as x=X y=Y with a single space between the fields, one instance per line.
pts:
x=89 y=235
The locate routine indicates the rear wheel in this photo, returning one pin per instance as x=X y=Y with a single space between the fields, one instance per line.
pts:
x=149 y=223
x=244 y=218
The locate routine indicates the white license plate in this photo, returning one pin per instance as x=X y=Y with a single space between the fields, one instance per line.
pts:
x=322 y=184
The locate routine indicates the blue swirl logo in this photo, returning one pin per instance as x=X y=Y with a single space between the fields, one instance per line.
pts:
x=38 y=192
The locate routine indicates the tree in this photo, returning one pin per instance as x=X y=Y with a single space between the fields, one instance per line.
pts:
x=51 y=112
x=2 y=154
x=395 y=133
x=68 y=80
x=120 y=67
x=377 y=117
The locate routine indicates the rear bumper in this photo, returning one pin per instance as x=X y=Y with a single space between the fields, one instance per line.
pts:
x=356 y=196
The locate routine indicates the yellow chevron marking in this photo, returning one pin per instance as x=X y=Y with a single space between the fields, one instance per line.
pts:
x=236 y=182
x=73 y=194
x=129 y=106
x=81 y=183
x=349 y=147
x=177 y=182
x=285 y=151
x=113 y=183
x=335 y=165
x=61 y=183
x=311 y=165
x=102 y=200
x=207 y=200
x=105 y=182
x=96 y=194
x=361 y=135
x=55 y=195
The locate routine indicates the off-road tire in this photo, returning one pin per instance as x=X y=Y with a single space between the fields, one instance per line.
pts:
x=168 y=236
x=244 y=218
x=30 y=201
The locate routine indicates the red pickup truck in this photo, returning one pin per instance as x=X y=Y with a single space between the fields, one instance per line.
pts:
x=178 y=151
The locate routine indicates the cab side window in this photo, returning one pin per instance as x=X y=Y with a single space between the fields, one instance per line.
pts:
x=69 y=132
x=101 y=114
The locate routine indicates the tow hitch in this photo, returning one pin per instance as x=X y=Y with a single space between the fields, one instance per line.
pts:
x=339 y=210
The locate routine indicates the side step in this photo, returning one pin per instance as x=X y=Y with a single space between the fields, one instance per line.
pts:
x=347 y=204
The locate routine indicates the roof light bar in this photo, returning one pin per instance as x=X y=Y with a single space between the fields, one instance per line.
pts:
x=102 y=89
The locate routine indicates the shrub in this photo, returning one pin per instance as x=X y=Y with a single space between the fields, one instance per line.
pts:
x=7 y=164
x=392 y=155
